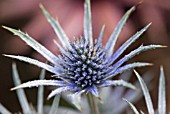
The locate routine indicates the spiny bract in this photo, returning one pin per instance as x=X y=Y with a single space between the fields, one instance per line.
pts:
x=161 y=95
x=84 y=65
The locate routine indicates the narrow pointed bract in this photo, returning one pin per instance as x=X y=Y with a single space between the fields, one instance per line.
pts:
x=35 y=45
x=20 y=92
x=162 y=94
x=113 y=38
x=100 y=38
x=3 y=110
x=117 y=83
x=88 y=23
x=57 y=28
x=126 y=67
x=60 y=90
x=55 y=105
x=40 y=97
x=132 y=107
x=37 y=83
x=133 y=53
x=35 y=62
x=146 y=94
x=84 y=65
x=128 y=43
x=76 y=99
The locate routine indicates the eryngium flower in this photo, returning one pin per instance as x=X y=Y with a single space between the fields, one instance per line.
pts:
x=84 y=65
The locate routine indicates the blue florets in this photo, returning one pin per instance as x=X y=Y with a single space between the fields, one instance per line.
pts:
x=84 y=65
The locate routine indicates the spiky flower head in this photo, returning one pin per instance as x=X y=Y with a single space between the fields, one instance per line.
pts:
x=84 y=65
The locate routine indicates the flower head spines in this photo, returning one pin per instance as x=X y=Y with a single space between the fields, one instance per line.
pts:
x=100 y=38
x=20 y=92
x=88 y=23
x=57 y=28
x=60 y=90
x=35 y=45
x=162 y=93
x=49 y=68
x=128 y=43
x=37 y=83
x=134 y=53
x=119 y=70
x=113 y=38
x=146 y=93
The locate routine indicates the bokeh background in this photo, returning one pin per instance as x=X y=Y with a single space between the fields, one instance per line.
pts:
x=27 y=16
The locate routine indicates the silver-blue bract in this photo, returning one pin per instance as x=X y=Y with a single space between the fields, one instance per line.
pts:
x=161 y=95
x=83 y=66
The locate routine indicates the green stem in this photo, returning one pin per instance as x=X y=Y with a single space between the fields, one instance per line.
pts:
x=93 y=104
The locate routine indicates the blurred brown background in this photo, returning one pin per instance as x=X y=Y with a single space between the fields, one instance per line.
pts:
x=26 y=15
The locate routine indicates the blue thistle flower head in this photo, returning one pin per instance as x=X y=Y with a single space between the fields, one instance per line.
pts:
x=84 y=65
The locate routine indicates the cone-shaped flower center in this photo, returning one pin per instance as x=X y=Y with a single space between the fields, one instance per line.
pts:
x=84 y=65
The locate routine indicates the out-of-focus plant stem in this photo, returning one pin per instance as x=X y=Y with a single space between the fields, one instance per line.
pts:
x=92 y=104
